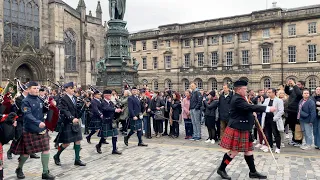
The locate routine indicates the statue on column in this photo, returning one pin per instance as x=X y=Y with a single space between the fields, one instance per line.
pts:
x=117 y=9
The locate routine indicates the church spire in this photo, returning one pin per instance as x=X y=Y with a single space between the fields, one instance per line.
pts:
x=81 y=4
x=99 y=11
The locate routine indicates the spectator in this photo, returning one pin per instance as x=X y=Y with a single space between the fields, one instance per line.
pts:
x=195 y=105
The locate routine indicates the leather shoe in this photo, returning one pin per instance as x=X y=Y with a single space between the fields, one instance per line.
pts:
x=116 y=152
x=34 y=156
x=56 y=160
x=98 y=148
x=9 y=154
x=257 y=175
x=142 y=144
x=223 y=174
x=105 y=142
x=79 y=163
x=88 y=139
x=126 y=138
x=47 y=176
x=19 y=173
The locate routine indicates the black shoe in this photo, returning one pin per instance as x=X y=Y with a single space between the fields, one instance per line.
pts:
x=257 y=175
x=19 y=173
x=142 y=144
x=88 y=139
x=79 y=163
x=56 y=160
x=149 y=137
x=47 y=176
x=223 y=174
x=34 y=156
x=98 y=148
x=9 y=154
x=116 y=152
x=125 y=139
x=105 y=142
x=165 y=134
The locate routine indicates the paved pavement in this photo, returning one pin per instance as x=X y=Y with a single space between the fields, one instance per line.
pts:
x=167 y=158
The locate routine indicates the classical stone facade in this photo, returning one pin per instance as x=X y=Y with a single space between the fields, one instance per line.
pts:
x=263 y=47
x=48 y=39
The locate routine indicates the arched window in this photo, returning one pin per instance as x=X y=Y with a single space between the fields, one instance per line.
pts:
x=70 y=50
x=200 y=84
x=312 y=84
x=155 y=85
x=168 y=84
x=214 y=84
x=267 y=83
x=186 y=84
x=21 y=23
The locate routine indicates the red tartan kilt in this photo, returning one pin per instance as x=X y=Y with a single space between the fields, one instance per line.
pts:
x=236 y=140
x=30 y=143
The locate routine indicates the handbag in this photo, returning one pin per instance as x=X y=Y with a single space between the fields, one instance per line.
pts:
x=159 y=115
x=298 y=132
x=75 y=127
x=280 y=125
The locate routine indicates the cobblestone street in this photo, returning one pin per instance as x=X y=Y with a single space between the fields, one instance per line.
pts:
x=168 y=158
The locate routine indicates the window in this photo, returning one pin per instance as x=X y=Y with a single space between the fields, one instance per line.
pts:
x=21 y=23
x=214 y=40
x=312 y=84
x=186 y=84
x=155 y=85
x=245 y=57
x=186 y=43
x=267 y=83
x=168 y=84
x=228 y=38
x=134 y=46
x=266 y=33
x=292 y=54
x=229 y=58
x=187 y=60
x=70 y=50
x=144 y=63
x=155 y=63
x=214 y=59
x=200 y=41
x=292 y=30
x=199 y=84
x=168 y=43
x=214 y=84
x=312 y=49
x=155 y=44
x=144 y=45
x=266 y=55
x=245 y=36
x=200 y=59
x=167 y=61
x=312 y=28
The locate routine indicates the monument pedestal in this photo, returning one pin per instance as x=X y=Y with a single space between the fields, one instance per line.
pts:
x=113 y=69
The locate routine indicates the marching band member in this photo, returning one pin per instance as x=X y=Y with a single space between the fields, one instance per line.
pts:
x=96 y=118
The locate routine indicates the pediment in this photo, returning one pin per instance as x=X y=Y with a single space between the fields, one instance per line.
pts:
x=168 y=52
x=27 y=48
x=7 y=47
x=266 y=44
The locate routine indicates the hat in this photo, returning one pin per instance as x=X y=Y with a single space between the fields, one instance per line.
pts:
x=134 y=87
x=69 y=84
x=108 y=91
x=41 y=89
x=96 y=92
x=240 y=83
x=212 y=93
x=32 y=83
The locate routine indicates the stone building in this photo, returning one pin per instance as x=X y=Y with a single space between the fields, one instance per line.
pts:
x=264 y=47
x=48 y=39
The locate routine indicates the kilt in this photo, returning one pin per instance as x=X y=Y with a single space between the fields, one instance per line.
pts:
x=30 y=143
x=66 y=135
x=135 y=124
x=1 y=154
x=236 y=140
x=107 y=130
x=95 y=124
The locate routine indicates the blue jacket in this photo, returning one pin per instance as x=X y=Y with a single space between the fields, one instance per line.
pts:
x=33 y=113
x=195 y=100
x=134 y=106
x=308 y=111
x=108 y=111
x=96 y=109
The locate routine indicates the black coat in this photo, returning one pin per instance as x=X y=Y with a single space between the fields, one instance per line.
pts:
x=295 y=95
x=210 y=113
x=241 y=116
x=108 y=111
x=95 y=108
x=224 y=106
x=144 y=102
x=156 y=102
x=134 y=106
x=68 y=109
x=195 y=100
x=176 y=110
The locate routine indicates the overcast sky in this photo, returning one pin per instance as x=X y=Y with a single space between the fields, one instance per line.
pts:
x=148 y=14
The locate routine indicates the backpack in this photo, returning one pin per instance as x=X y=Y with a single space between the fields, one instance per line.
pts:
x=7 y=130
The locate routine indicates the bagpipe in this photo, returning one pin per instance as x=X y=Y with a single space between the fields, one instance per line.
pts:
x=6 y=97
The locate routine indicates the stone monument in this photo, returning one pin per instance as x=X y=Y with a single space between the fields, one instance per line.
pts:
x=113 y=69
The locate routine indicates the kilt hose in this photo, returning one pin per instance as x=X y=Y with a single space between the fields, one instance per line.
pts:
x=107 y=130
x=67 y=135
x=30 y=143
x=236 y=140
x=95 y=124
x=1 y=154
x=135 y=124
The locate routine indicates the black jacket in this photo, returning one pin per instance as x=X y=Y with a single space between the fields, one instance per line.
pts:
x=68 y=109
x=295 y=95
x=176 y=110
x=156 y=102
x=224 y=106
x=195 y=100
x=211 y=108
x=143 y=102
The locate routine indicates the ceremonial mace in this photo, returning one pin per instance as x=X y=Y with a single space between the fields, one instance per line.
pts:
x=266 y=141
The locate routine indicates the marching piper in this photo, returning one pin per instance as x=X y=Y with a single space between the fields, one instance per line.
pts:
x=96 y=118
x=237 y=136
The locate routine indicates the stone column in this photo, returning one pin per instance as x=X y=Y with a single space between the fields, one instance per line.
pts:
x=88 y=62
x=192 y=58
x=61 y=62
x=236 y=62
x=180 y=58
x=206 y=60
x=221 y=54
